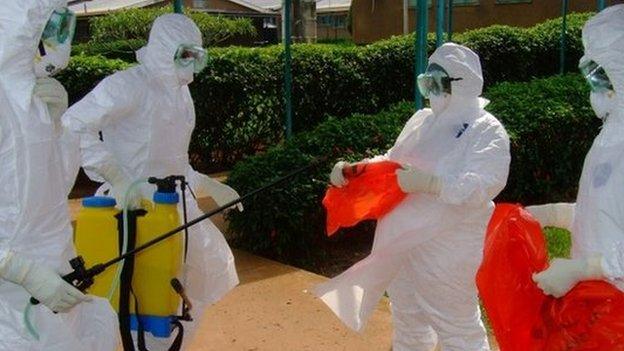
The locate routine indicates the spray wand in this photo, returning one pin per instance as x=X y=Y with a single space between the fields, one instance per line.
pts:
x=83 y=278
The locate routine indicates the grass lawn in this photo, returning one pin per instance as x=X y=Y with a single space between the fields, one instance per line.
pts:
x=558 y=241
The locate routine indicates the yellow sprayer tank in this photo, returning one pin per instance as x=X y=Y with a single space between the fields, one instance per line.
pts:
x=97 y=240
x=155 y=267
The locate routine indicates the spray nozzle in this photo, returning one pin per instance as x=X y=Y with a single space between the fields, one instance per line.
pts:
x=168 y=184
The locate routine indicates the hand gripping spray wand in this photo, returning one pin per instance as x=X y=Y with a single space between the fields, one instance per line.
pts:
x=82 y=277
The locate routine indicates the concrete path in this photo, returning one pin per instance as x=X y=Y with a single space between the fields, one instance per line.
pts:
x=271 y=311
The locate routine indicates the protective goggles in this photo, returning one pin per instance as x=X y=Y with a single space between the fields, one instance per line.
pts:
x=60 y=28
x=195 y=55
x=596 y=76
x=435 y=81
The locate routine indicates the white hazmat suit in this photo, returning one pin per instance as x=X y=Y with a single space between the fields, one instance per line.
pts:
x=35 y=228
x=146 y=117
x=597 y=219
x=427 y=250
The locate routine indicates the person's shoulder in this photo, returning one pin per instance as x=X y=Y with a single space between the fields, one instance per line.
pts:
x=421 y=115
x=488 y=121
x=424 y=112
x=418 y=118
x=126 y=82
x=128 y=76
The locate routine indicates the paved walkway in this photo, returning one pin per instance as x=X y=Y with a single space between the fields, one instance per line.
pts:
x=271 y=311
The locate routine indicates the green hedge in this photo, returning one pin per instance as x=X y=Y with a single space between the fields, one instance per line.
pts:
x=120 y=49
x=552 y=126
x=136 y=24
x=287 y=222
x=549 y=120
x=84 y=72
x=239 y=96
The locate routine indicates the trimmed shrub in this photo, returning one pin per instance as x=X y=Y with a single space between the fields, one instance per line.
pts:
x=288 y=221
x=552 y=126
x=545 y=44
x=121 y=49
x=549 y=121
x=136 y=24
x=85 y=72
x=505 y=52
x=239 y=102
x=238 y=106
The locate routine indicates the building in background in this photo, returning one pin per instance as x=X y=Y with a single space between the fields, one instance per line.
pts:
x=374 y=20
x=263 y=13
x=86 y=9
x=319 y=19
x=98 y=7
x=329 y=17
x=332 y=18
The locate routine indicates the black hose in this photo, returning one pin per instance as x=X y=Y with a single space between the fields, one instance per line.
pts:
x=100 y=267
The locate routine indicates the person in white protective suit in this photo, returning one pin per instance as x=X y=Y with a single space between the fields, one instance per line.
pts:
x=597 y=219
x=36 y=176
x=426 y=252
x=146 y=117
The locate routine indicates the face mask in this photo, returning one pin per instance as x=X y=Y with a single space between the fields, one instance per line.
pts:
x=55 y=45
x=185 y=75
x=603 y=102
x=55 y=60
x=439 y=102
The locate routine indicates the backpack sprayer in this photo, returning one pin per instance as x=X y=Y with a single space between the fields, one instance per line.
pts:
x=83 y=278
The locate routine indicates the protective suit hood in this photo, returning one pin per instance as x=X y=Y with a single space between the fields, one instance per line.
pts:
x=603 y=39
x=461 y=62
x=168 y=33
x=21 y=25
x=431 y=238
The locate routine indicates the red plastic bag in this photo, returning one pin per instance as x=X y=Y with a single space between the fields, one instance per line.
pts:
x=371 y=192
x=588 y=318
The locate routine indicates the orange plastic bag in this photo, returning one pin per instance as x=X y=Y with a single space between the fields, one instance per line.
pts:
x=514 y=249
x=371 y=192
x=588 y=318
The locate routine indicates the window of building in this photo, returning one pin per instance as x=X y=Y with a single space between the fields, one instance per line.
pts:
x=325 y=20
x=269 y=22
x=514 y=1
x=465 y=2
x=414 y=3
x=332 y=21
x=340 y=21
x=200 y=4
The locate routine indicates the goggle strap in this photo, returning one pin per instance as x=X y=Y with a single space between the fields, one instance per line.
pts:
x=42 y=51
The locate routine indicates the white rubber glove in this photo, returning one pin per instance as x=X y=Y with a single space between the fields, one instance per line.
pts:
x=52 y=92
x=564 y=274
x=219 y=192
x=413 y=180
x=41 y=282
x=120 y=184
x=336 y=177
x=560 y=215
